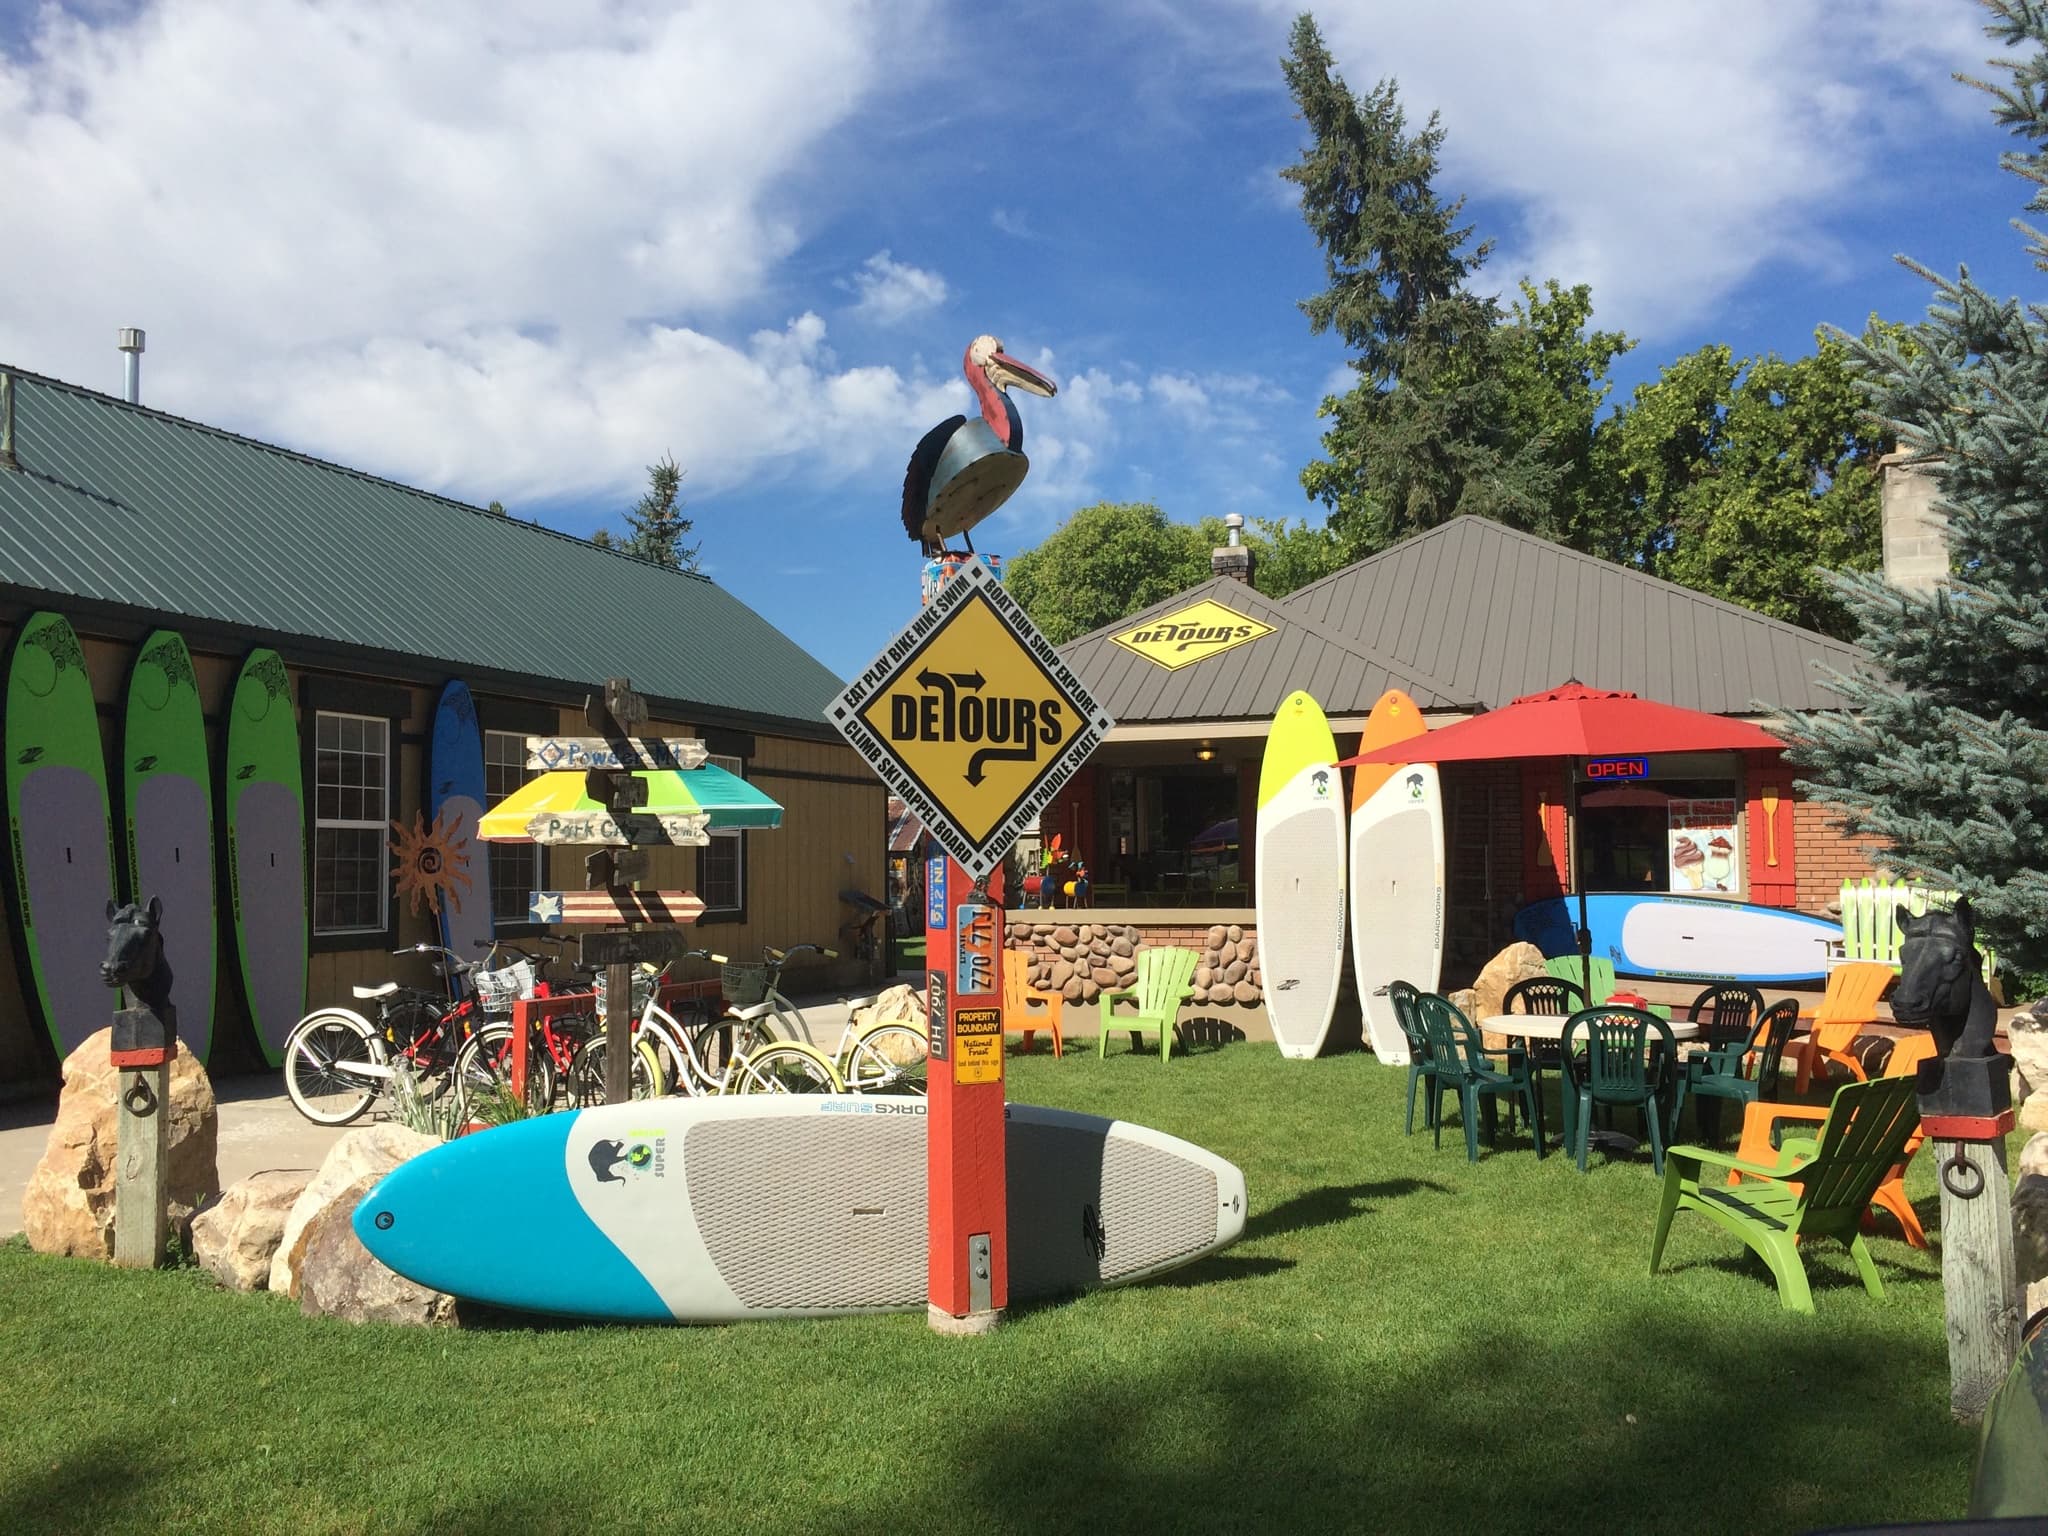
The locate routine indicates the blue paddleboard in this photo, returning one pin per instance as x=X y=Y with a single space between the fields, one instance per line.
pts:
x=455 y=801
x=1687 y=938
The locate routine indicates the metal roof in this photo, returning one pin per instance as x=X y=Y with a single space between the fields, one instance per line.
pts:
x=1248 y=681
x=121 y=505
x=1497 y=613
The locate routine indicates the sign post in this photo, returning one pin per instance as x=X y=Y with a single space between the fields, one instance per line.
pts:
x=973 y=719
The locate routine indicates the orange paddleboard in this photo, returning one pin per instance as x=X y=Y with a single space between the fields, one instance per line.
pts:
x=1394 y=718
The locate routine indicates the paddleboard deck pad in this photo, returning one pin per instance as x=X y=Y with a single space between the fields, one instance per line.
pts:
x=720 y=1209
x=1687 y=938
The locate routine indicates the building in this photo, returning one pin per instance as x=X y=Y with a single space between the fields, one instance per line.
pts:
x=124 y=520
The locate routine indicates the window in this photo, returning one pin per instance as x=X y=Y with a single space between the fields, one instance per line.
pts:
x=515 y=867
x=722 y=864
x=352 y=817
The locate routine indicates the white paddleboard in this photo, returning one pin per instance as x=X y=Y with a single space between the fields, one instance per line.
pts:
x=1299 y=876
x=1397 y=903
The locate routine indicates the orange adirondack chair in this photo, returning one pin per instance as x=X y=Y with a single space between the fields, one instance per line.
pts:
x=1021 y=1005
x=1849 y=1004
x=1760 y=1121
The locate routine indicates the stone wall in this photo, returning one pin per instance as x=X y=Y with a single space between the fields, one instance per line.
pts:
x=1082 y=960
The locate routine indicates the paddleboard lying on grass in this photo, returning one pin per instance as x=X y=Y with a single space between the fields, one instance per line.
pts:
x=1687 y=938
x=1299 y=876
x=716 y=1209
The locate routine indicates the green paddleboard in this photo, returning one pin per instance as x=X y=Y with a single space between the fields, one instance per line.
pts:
x=266 y=815
x=167 y=794
x=57 y=824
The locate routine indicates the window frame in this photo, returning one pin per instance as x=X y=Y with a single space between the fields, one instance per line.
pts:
x=521 y=925
x=374 y=706
x=736 y=765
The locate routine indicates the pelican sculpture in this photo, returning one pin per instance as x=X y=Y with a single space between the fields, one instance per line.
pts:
x=966 y=467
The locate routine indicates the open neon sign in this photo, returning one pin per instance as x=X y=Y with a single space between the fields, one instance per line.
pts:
x=1608 y=768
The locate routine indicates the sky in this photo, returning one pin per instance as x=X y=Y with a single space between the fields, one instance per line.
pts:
x=520 y=249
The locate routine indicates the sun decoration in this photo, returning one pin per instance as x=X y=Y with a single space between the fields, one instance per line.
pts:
x=431 y=860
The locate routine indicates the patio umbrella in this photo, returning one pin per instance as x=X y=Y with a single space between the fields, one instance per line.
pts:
x=724 y=802
x=1576 y=722
x=1221 y=834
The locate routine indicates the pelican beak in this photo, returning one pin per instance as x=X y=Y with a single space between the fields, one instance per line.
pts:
x=1005 y=371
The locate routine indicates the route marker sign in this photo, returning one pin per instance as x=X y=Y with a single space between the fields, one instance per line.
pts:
x=972 y=717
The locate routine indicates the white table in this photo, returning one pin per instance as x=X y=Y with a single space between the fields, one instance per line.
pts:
x=1538 y=1026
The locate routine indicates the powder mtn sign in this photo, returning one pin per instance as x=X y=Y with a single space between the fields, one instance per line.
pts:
x=972 y=718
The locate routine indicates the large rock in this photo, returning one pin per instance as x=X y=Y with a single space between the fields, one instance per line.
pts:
x=236 y=1237
x=338 y=1278
x=2028 y=1031
x=370 y=1152
x=68 y=1207
x=1518 y=962
x=902 y=1003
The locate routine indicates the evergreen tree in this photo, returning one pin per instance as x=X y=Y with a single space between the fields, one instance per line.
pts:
x=1945 y=755
x=655 y=526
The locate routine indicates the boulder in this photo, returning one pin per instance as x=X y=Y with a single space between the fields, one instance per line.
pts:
x=1217 y=935
x=236 y=1237
x=2028 y=1032
x=2034 y=1156
x=68 y=1206
x=1245 y=992
x=338 y=1278
x=1233 y=932
x=367 y=1153
x=900 y=1002
x=1516 y=963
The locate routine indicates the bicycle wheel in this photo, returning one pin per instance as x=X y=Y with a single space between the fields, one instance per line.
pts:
x=317 y=1056
x=783 y=1067
x=483 y=1067
x=586 y=1074
x=415 y=1031
x=888 y=1058
x=721 y=1042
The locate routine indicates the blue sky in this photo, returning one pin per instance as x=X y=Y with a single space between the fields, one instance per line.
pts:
x=520 y=250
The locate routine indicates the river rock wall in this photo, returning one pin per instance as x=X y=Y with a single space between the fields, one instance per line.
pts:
x=1080 y=960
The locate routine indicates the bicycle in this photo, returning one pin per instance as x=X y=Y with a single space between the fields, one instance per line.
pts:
x=483 y=1064
x=881 y=1056
x=336 y=1062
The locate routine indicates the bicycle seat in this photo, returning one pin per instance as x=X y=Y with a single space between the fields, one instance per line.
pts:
x=855 y=1004
x=752 y=1012
x=371 y=994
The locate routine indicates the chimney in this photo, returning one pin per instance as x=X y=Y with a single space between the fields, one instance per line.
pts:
x=129 y=341
x=1233 y=560
x=7 y=458
x=1915 y=529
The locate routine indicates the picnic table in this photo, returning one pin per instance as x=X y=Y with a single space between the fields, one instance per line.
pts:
x=1550 y=1028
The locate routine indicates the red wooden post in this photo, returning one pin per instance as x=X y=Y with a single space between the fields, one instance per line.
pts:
x=522 y=1023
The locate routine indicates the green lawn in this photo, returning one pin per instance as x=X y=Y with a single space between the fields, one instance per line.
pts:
x=1403 y=1341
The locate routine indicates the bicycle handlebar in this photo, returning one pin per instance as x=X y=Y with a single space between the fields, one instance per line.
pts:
x=455 y=961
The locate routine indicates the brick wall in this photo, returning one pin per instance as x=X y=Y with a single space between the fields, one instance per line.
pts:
x=1827 y=855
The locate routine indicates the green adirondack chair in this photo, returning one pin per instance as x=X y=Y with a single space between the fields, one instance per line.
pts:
x=1164 y=977
x=1572 y=969
x=1816 y=1189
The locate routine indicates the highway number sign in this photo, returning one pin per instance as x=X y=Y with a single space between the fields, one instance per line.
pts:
x=972 y=718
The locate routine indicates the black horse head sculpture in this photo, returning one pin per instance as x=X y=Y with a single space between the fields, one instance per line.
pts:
x=135 y=953
x=1941 y=982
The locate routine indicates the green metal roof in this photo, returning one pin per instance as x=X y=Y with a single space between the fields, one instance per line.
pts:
x=118 y=504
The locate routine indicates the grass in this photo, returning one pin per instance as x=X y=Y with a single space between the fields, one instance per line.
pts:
x=1403 y=1341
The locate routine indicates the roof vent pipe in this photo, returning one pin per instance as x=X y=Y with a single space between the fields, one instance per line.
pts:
x=1234 y=522
x=1233 y=559
x=7 y=458
x=129 y=340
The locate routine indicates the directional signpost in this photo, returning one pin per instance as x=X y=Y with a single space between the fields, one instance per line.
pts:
x=552 y=753
x=973 y=719
x=613 y=906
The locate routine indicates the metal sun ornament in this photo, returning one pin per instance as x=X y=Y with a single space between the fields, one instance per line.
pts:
x=431 y=862
x=966 y=467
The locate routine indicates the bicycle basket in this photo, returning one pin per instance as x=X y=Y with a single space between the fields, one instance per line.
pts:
x=743 y=985
x=643 y=988
x=496 y=991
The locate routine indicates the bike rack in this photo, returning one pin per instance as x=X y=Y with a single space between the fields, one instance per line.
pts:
x=529 y=1011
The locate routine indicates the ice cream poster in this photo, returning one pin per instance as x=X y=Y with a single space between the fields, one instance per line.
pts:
x=1705 y=839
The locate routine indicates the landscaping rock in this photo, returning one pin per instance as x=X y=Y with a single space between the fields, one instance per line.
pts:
x=370 y=1152
x=338 y=1278
x=1244 y=992
x=899 y=1003
x=1234 y=972
x=1217 y=936
x=68 y=1206
x=1072 y=990
x=1516 y=963
x=1103 y=976
x=2028 y=1032
x=1205 y=976
x=1124 y=966
x=1062 y=971
x=1065 y=937
x=236 y=1237
x=1223 y=992
x=2034 y=1155
x=1123 y=946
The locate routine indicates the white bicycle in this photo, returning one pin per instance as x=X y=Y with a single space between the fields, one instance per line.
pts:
x=885 y=1056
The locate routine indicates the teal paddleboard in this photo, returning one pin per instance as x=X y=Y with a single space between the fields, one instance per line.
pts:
x=57 y=822
x=167 y=793
x=266 y=816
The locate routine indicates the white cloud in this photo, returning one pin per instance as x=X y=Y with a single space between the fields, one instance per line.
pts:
x=1012 y=222
x=892 y=291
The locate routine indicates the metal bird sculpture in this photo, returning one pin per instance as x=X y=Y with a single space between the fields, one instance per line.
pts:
x=966 y=467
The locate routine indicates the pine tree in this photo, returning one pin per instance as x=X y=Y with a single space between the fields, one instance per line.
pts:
x=1945 y=755
x=656 y=526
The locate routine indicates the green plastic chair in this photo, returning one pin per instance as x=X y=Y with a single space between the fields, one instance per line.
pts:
x=1723 y=1072
x=1816 y=1189
x=1573 y=970
x=1407 y=1001
x=1458 y=1052
x=1164 y=978
x=1616 y=1056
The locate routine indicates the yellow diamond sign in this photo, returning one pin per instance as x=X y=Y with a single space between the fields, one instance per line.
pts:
x=1193 y=634
x=972 y=717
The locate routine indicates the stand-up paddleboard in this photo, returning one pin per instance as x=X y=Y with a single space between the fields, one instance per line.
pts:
x=1299 y=876
x=716 y=1209
x=1397 y=838
x=266 y=817
x=1394 y=718
x=455 y=799
x=1687 y=938
x=167 y=792
x=57 y=818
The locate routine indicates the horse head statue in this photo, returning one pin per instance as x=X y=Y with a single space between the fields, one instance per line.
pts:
x=135 y=953
x=1941 y=981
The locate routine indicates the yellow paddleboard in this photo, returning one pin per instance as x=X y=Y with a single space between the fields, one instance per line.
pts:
x=1299 y=876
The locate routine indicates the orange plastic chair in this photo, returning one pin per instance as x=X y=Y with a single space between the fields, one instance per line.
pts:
x=1760 y=1122
x=1021 y=1002
x=1849 y=1004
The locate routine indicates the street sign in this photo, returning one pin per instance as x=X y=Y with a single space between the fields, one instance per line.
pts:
x=627 y=829
x=613 y=906
x=613 y=866
x=972 y=718
x=648 y=946
x=553 y=752
x=616 y=789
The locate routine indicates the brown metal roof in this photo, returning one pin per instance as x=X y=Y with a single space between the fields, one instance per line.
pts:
x=1249 y=681
x=1496 y=614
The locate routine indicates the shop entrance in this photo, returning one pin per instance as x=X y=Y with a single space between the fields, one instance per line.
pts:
x=1677 y=831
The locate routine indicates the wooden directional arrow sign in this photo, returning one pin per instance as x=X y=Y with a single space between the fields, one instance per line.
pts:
x=613 y=906
x=552 y=752
x=972 y=717
x=648 y=946
x=627 y=829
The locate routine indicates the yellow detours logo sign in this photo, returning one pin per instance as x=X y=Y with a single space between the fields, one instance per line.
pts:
x=1191 y=635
